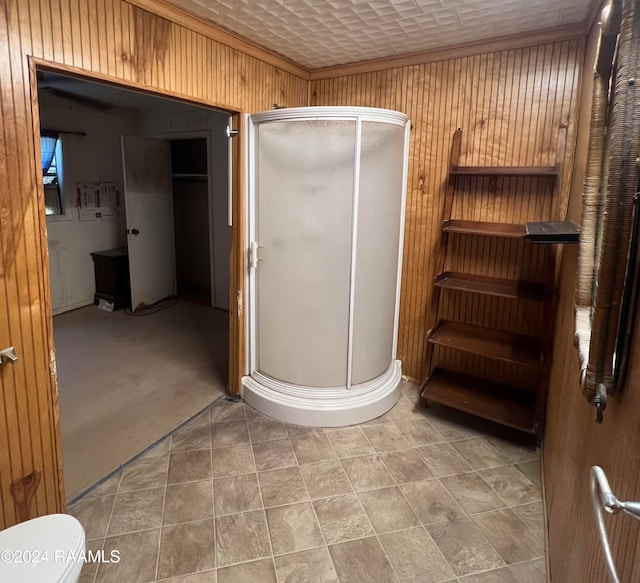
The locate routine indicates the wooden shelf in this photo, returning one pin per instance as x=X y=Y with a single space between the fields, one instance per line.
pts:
x=495 y=344
x=552 y=232
x=503 y=404
x=491 y=286
x=539 y=171
x=508 y=230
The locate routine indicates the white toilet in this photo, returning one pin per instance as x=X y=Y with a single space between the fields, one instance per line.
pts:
x=48 y=549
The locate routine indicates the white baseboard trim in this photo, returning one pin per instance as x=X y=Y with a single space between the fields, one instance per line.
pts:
x=69 y=307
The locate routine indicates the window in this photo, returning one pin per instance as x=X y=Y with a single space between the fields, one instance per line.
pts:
x=51 y=152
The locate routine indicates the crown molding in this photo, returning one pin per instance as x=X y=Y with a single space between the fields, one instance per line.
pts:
x=453 y=52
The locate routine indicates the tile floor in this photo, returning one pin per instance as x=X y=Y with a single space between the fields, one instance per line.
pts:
x=415 y=496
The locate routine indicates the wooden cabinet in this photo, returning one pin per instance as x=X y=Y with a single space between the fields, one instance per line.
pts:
x=519 y=407
x=112 y=277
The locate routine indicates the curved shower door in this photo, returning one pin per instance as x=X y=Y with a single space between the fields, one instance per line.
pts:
x=303 y=235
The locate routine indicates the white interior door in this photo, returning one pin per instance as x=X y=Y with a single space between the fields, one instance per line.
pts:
x=148 y=195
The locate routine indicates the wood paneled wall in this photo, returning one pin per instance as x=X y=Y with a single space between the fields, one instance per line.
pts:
x=510 y=105
x=574 y=442
x=118 y=42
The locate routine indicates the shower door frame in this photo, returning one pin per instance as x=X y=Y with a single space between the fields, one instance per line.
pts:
x=358 y=115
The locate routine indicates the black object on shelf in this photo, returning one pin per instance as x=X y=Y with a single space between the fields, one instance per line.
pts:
x=552 y=232
x=112 y=277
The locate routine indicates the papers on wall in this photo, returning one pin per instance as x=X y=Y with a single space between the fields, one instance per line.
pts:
x=98 y=200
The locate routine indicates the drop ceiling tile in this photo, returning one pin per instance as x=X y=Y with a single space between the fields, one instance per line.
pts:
x=321 y=33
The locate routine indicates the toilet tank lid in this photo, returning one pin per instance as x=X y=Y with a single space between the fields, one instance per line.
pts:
x=41 y=550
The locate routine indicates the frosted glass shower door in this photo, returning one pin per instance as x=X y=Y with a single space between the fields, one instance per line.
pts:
x=303 y=216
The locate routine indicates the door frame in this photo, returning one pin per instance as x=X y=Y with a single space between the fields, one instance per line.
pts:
x=237 y=259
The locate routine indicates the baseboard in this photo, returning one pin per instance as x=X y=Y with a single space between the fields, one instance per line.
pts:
x=62 y=309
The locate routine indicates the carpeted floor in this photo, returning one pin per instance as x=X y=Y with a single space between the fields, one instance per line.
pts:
x=127 y=381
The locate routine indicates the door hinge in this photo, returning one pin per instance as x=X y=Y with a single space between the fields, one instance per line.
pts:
x=231 y=133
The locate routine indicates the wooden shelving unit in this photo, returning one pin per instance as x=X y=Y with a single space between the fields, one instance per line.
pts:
x=496 y=344
x=491 y=286
x=484 y=228
x=503 y=404
x=519 y=407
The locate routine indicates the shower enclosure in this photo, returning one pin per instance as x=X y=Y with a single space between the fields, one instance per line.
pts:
x=326 y=197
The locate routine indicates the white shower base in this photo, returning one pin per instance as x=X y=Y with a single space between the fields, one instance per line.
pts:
x=323 y=407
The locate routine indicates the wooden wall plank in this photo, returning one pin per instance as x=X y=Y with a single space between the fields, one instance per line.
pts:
x=116 y=42
x=510 y=104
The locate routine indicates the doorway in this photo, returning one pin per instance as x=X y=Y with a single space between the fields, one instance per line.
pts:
x=128 y=375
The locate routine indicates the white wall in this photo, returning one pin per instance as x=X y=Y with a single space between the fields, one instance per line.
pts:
x=91 y=158
x=184 y=121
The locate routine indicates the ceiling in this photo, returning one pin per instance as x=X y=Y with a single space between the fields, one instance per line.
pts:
x=323 y=33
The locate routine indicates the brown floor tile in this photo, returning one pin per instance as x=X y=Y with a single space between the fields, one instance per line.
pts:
x=533 y=517
x=314 y=447
x=377 y=421
x=145 y=473
x=367 y=473
x=233 y=460
x=89 y=569
x=362 y=561
x=266 y=429
x=415 y=557
x=420 y=432
x=94 y=515
x=443 y=460
x=138 y=556
x=312 y=566
x=162 y=448
x=187 y=502
x=293 y=528
x=109 y=486
x=342 y=518
x=202 y=577
x=190 y=466
x=227 y=411
x=203 y=418
x=229 y=433
x=512 y=486
x=350 y=442
x=388 y=510
x=479 y=453
x=503 y=575
x=531 y=571
x=300 y=430
x=516 y=450
x=284 y=486
x=532 y=470
x=139 y=510
x=325 y=479
x=241 y=538
x=464 y=546
x=406 y=466
x=454 y=425
x=431 y=501
x=250 y=412
x=509 y=536
x=258 y=571
x=472 y=493
x=235 y=494
x=403 y=410
x=272 y=455
x=190 y=438
x=386 y=437
x=187 y=548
